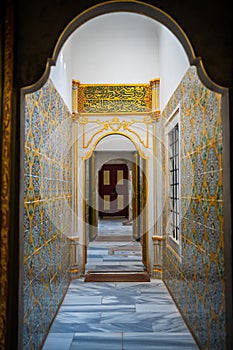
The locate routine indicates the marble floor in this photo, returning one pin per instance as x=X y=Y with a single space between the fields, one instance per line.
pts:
x=125 y=255
x=118 y=315
x=121 y=316
x=114 y=227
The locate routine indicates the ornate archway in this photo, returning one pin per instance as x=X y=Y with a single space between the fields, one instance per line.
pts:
x=136 y=7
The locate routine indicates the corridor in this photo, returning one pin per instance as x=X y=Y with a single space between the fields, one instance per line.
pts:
x=123 y=315
x=113 y=144
x=119 y=108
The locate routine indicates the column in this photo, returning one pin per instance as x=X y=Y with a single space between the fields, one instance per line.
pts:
x=155 y=105
x=74 y=270
x=157 y=265
x=75 y=88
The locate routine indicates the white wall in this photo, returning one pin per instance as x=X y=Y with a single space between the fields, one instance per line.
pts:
x=113 y=158
x=62 y=75
x=173 y=64
x=120 y=48
x=116 y=48
x=115 y=143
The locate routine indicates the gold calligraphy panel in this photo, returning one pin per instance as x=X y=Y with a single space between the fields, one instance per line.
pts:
x=114 y=98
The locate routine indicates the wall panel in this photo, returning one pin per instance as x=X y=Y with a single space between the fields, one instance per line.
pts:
x=47 y=210
x=197 y=282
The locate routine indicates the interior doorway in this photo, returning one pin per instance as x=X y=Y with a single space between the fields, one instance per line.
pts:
x=113 y=191
x=113 y=251
x=115 y=207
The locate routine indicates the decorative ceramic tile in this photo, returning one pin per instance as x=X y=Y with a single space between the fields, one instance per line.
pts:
x=46 y=260
x=198 y=173
x=201 y=297
x=85 y=321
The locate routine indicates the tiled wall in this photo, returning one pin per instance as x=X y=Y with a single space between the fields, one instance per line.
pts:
x=47 y=210
x=197 y=282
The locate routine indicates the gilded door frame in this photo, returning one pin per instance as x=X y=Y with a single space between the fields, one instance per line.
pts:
x=135 y=199
x=91 y=216
x=144 y=213
x=144 y=219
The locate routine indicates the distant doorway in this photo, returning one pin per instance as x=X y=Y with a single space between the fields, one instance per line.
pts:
x=113 y=191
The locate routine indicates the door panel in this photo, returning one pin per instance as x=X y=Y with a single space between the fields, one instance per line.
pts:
x=107 y=202
x=120 y=202
x=113 y=190
x=106 y=177
x=120 y=177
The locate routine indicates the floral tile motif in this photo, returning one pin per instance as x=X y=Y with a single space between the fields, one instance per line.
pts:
x=201 y=269
x=47 y=137
x=198 y=173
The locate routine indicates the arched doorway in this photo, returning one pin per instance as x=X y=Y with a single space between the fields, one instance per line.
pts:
x=105 y=167
x=162 y=15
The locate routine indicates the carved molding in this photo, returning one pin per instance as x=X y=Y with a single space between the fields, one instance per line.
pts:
x=124 y=108
x=115 y=125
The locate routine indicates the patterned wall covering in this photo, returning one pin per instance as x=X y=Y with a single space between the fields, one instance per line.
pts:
x=197 y=282
x=47 y=210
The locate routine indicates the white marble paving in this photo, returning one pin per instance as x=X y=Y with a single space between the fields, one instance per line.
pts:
x=112 y=255
x=113 y=227
x=158 y=341
x=145 y=299
x=116 y=327
x=118 y=315
x=154 y=307
x=97 y=252
x=97 y=341
x=71 y=299
x=98 y=308
x=56 y=341
x=137 y=317
x=125 y=316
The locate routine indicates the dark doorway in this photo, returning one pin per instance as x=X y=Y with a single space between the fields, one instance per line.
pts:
x=113 y=190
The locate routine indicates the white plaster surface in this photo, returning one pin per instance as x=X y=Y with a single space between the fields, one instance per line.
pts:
x=120 y=48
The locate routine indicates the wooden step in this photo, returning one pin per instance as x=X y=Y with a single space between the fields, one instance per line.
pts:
x=117 y=276
x=114 y=238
